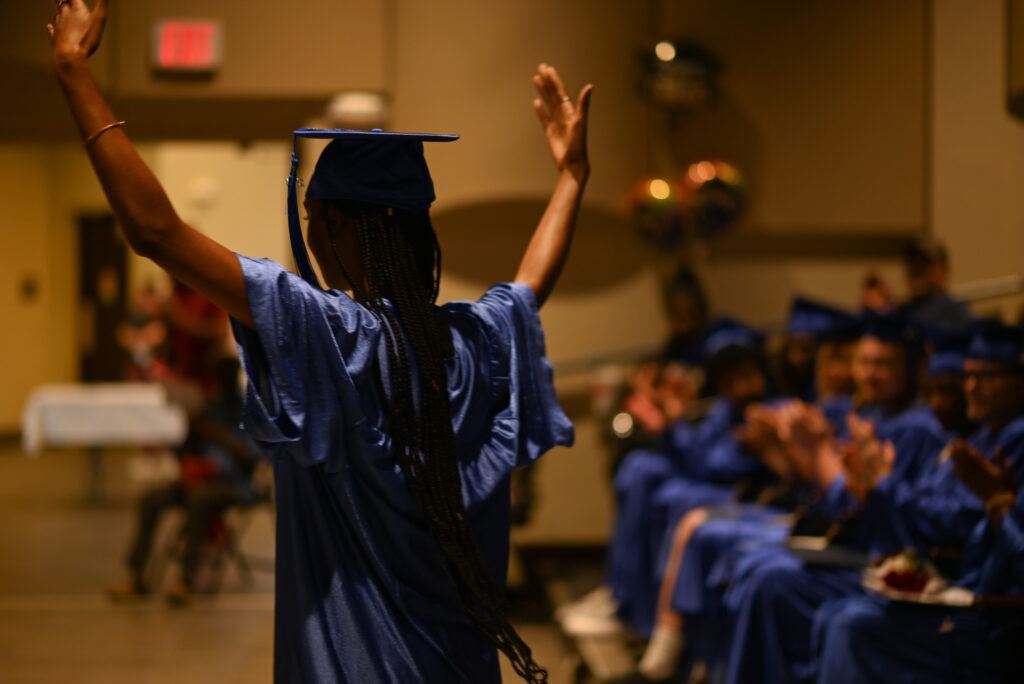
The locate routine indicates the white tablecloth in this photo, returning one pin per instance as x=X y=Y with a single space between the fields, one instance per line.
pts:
x=101 y=415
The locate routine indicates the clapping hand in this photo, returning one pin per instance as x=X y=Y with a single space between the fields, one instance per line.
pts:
x=676 y=391
x=985 y=478
x=642 y=402
x=565 y=123
x=760 y=427
x=809 y=442
x=759 y=434
x=866 y=459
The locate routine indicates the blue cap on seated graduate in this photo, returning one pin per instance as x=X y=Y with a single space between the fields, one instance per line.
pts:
x=893 y=327
x=995 y=342
x=730 y=345
x=947 y=351
x=726 y=331
x=822 y=321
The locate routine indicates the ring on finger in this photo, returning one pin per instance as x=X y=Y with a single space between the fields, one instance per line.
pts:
x=566 y=99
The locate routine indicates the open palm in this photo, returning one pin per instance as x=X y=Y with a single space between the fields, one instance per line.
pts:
x=565 y=124
x=76 y=29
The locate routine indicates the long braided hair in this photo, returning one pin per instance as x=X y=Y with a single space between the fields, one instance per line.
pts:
x=402 y=261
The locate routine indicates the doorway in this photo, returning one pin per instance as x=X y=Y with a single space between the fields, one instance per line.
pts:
x=102 y=293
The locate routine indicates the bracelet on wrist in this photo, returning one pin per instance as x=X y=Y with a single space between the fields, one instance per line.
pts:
x=92 y=138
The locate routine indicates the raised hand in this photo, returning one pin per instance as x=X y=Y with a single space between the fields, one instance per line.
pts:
x=143 y=210
x=76 y=30
x=565 y=124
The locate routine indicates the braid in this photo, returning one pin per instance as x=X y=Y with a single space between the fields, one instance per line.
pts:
x=402 y=258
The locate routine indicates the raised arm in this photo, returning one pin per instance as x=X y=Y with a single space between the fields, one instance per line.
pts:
x=150 y=224
x=565 y=126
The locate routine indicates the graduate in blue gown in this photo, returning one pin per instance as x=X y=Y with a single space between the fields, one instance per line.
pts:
x=699 y=465
x=937 y=510
x=393 y=423
x=704 y=542
x=774 y=594
x=809 y=325
x=868 y=638
x=943 y=386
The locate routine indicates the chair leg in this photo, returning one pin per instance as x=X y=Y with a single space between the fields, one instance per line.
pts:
x=172 y=542
x=233 y=535
x=221 y=548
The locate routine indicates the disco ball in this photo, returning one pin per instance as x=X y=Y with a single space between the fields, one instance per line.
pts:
x=654 y=204
x=679 y=75
x=714 y=195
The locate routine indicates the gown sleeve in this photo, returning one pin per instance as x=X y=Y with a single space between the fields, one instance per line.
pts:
x=993 y=561
x=525 y=417
x=1009 y=548
x=938 y=509
x=304 y=358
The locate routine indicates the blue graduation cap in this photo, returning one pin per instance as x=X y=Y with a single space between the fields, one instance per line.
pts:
x=893 y=327
x=948 y=352
x=728 y=332
x=375 y=167
x=811 y=318
x=994 y=341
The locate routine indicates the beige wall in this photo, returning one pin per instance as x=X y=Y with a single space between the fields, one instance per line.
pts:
x=1015 y=23
x=300 y=47
x=978 y=158
x=233 y=193
x=822 y=109
x=23 y=190
x=43 y=189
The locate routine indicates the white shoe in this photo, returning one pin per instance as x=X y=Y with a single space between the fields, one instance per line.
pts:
x=598 y=602
x=579 y=625
x=661 y=658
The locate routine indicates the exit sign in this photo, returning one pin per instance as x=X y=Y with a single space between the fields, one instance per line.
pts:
x=188 y=46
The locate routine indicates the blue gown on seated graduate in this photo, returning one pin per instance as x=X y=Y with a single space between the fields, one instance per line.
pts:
x=923 y=505
x=866 y=639
x=360 y=592
x=699 y=464
x=733 y=530
x=774 y=595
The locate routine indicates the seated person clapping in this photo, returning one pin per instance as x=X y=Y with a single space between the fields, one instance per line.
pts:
x=866 y=639
x=903 y=496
